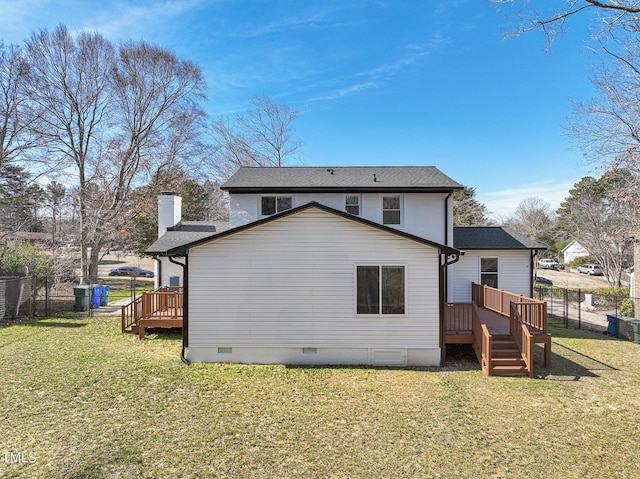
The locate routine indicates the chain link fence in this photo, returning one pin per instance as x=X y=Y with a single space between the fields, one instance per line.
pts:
x=56 y=295
x=583 y=309
x=15 y=297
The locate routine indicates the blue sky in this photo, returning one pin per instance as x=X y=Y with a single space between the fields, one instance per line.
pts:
x=381 y=82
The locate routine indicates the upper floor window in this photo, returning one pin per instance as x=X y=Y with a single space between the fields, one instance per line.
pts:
x=489 y=272
x=391 y=210
x=352 y=204
x=275 y=204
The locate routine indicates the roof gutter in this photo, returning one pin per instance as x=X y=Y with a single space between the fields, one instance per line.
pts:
x=185 y=306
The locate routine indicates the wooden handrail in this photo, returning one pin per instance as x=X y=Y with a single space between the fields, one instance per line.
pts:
x=482 y=339
x=164 y=302
x=533 y=312
x=523 y=338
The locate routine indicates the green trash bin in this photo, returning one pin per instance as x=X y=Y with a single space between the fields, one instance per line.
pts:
x=82 y=294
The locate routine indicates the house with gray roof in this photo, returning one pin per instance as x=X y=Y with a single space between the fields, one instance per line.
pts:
x=332 y=265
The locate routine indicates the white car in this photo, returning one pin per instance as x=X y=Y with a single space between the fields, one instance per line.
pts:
x=590 y=269
x=548 y=263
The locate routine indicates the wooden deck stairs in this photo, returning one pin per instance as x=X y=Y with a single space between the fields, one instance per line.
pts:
x=502 y=328
x=157 y=309
x=506 y=359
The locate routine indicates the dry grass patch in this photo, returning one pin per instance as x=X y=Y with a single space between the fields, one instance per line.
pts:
x=93 y=403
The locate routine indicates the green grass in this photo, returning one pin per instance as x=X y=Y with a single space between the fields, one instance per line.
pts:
x=93 y=403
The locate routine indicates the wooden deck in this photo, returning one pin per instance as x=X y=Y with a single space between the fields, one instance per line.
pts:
x=156 y=309
x=502 y=327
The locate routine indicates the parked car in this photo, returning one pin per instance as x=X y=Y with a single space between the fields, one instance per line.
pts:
x=131 y=271
x=543 y=281
x=549 y=263
x=590 y=269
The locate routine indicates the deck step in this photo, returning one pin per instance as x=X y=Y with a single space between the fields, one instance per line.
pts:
x=509 y=371
x=506 y=353
x=503 y=344
x=507 y=361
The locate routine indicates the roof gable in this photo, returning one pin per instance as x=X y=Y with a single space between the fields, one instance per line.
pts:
x=340 y=179
x=183 y=249
x=492 y=237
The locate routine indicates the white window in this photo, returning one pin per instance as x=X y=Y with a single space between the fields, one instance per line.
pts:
x=391 y=210
x=271 y=205
x=489 y=272
x=380 y=290
x=352 y=204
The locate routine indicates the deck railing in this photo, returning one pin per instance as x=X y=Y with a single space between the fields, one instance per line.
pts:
x=482 y=342
x=166 y=302
x=532 y=311
x=521 y=335
x=458 y=317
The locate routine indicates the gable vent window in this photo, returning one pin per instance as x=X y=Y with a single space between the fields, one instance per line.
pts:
x=391 y=210
x=352 y=204
x=275 y=204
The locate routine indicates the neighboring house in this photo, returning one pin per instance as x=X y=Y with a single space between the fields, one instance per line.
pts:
x=572 y=251
x=344 y=265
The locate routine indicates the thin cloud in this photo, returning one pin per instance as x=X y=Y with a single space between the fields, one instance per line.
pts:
x=143 y=19
x=343 y=92
x=503 y=203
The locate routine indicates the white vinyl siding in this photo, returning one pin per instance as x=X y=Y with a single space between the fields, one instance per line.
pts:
x=290 y=283
x=422 y=214
x=514 y=272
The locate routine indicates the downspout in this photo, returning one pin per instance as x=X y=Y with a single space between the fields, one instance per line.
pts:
x=185 y=306
x=446 y=218
x=446 y=241
x=159 y=263
x=532 y=282
x=442 y=270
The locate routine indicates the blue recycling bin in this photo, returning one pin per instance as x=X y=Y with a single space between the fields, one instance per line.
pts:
x=96 y=295
x=104 y=297
x=612 y=329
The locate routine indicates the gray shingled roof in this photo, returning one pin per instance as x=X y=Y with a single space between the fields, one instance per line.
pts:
x=492 y=237
x=358 y=178
x=185 y=232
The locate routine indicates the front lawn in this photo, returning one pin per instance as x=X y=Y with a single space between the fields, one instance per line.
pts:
x=81 y=400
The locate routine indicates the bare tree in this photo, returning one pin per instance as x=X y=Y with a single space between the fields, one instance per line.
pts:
x=114 y=115
x=262 y=136
x=610 y=17
x=594 y=216
x=15 y=136
x=534 y=218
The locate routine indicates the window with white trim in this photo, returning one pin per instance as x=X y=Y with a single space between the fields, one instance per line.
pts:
x=489 y=272
x=391 y=210
x=352 y=204
x=380 y=289
x=270 y=205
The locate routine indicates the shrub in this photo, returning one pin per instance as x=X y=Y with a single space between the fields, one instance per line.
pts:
x=580 y=261
x=626 y=308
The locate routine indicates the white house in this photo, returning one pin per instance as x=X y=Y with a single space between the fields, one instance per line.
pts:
x=572 y=251
x=342 y=265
